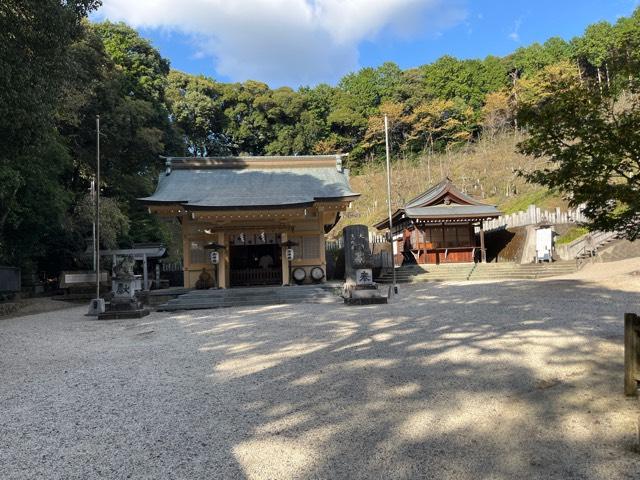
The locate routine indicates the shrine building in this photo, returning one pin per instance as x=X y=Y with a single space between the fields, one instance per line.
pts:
x=439 y=226
x=251 y=210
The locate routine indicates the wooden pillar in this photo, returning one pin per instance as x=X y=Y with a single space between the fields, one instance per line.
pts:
x=323 y=254
x=223 y=263
x=631 y=353
x=483 y=252
x=145 y=273
x=285 y=261
x=186 y=254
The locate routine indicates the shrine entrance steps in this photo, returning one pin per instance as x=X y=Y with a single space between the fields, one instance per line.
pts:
x=456 y=272
x=253 y=296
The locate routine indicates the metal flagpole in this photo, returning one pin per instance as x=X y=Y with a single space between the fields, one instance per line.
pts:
x=98 y=207
x=393 y=259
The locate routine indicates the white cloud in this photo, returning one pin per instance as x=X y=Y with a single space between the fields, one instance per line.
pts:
x=287 y=41
x=515 y=33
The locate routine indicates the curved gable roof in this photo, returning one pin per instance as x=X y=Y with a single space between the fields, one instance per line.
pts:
x=252 y=182
x=443 y=202
x=436 y=194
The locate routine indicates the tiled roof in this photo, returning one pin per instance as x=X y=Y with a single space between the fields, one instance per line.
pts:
x=441 y=202
x=245 y=182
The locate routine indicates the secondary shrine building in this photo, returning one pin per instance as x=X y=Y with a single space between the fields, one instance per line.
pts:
x=250 y=210
x=439 y=226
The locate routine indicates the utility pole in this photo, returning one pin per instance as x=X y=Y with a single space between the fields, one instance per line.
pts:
x=93 y=226
x=97 y=304
x=98 y=207
x=393 y=257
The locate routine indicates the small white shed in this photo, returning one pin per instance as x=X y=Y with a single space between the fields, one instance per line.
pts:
x=544 y=244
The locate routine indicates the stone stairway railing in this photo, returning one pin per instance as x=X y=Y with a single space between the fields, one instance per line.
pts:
x=585 y=246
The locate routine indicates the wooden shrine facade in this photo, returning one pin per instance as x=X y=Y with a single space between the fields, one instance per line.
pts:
x=439 y=226
x=250 y=210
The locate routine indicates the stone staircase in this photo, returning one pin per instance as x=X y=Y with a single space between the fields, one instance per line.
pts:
x=516 y=271
x=601 y=242
x=252 y=296
x=479 y=271
x=421 y=273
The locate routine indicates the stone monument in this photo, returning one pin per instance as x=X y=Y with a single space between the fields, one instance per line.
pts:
x=125 y=303
x=359 y=287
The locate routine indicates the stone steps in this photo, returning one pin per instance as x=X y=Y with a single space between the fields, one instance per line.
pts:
x=239 y=297
x=420 y=273
x=489 y=271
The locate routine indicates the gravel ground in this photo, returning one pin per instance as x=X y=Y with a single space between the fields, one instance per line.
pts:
x=30 y=306
x=511 y=380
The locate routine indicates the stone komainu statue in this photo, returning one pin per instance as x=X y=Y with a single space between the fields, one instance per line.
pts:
x=123 y=269
x=205 y=280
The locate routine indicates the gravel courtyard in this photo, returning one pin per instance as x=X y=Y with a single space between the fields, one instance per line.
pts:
x=513 y=380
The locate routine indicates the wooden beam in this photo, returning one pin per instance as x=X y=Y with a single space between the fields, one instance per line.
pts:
x=186 y=255
x=285 y=261
x=483 y=252
x=223 y=264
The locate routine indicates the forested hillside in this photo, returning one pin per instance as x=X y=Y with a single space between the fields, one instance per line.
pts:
x=452 y=117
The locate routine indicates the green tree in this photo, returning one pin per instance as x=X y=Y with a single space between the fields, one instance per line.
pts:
x=595 y=47
x=592 y=143
x=143 y=69
x=626 y=46
x=197 y=108
x=469 y=80
x=36 y=37
x=114 y=224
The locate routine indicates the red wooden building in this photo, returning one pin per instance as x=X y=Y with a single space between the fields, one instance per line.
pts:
x=439 y=226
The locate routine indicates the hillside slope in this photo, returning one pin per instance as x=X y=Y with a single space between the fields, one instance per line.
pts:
x=486 y=170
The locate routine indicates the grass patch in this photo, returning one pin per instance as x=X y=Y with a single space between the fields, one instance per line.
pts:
x=542 y=198
x=572 y=234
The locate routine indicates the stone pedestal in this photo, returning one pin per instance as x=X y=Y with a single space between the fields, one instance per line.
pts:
x=125 y=303
x=359 y=287
x=96 y=307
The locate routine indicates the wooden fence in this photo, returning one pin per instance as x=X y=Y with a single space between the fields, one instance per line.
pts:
x=534 y=215
x=173 y=273
x=338 y=243
x=380 y=250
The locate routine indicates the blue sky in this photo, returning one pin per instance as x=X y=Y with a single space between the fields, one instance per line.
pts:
x=306 y=42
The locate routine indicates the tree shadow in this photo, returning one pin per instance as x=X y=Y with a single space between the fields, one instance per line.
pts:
x=509 y=380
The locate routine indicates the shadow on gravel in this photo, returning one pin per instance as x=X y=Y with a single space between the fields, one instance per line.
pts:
x=509 y=380
x=512 y=380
